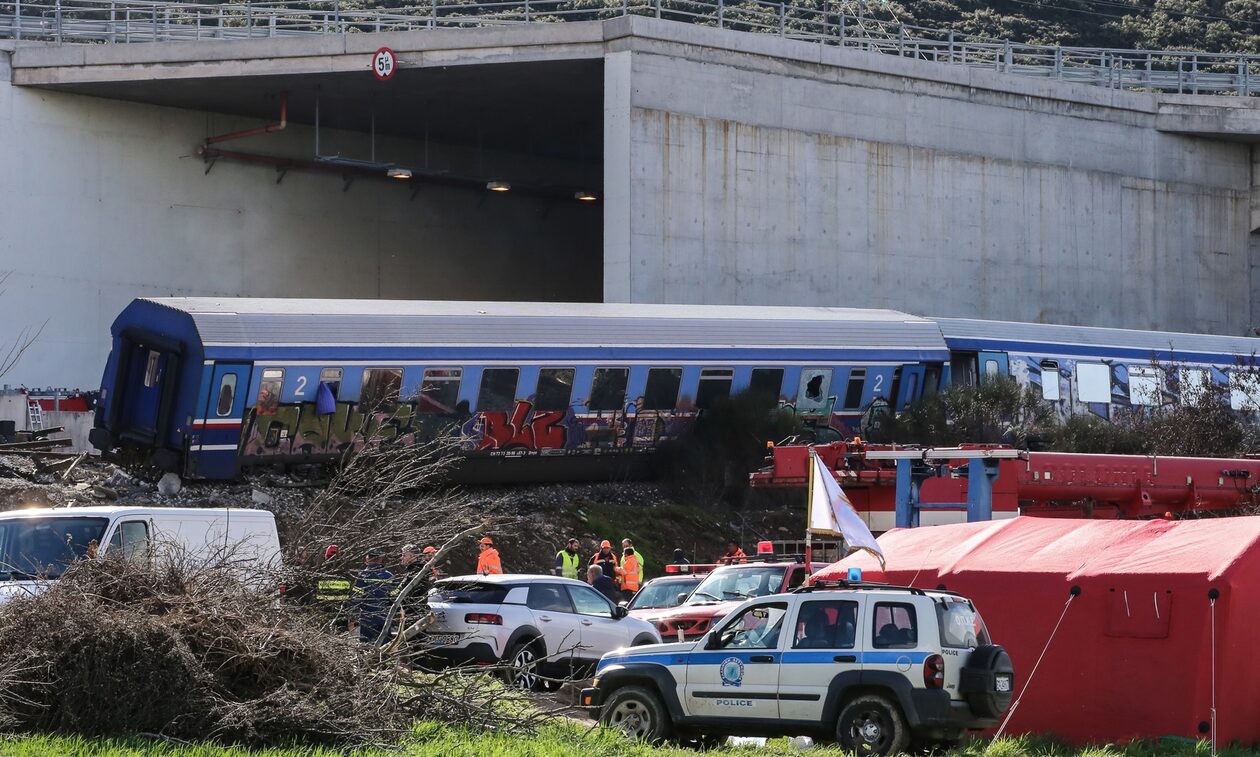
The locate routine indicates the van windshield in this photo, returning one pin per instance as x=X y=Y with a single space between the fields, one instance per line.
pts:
x=44 y=547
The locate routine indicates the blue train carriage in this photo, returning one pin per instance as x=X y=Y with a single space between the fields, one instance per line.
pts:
x=207 y=386
x=1083 y=369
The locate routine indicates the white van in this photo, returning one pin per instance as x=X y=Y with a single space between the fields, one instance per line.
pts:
x=38 y=544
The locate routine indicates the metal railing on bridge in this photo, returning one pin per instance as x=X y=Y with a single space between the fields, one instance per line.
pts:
x=130 y=21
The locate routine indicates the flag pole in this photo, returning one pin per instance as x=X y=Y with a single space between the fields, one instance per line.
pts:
x=809 y=516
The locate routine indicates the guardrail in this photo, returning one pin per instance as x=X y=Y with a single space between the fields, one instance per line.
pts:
x=130 y=21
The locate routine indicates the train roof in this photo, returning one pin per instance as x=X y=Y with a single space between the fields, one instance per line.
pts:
x=256 y=322
x=1051 y=339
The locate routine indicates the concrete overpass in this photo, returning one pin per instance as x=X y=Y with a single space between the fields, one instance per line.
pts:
x=730 y=168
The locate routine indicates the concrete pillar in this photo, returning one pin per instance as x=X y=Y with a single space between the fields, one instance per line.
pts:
x=617 y=177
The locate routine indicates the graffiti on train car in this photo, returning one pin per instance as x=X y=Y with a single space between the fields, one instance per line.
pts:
x=297 y=429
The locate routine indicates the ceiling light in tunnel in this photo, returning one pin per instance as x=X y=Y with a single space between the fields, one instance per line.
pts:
x=498 y=186
x=585 y=196
x=399 y=173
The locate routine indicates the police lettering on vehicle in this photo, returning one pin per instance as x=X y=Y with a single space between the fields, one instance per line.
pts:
x=732 y=671
x=734 y=702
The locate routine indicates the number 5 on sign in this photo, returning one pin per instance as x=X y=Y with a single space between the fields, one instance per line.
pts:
x=384 y=63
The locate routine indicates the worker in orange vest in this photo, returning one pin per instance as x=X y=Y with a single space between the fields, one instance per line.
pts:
x=488 y=561
x=629 y=573
x=607 y=560
x=733 y=554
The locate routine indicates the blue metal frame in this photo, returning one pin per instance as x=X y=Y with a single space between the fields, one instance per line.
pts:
x=981 y=473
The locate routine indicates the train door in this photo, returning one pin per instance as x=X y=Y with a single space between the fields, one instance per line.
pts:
x=993 y=365
x=218 y=429
x=146 y=393
x=912 y=377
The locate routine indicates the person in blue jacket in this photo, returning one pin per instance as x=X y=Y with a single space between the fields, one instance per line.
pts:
x=372 y=597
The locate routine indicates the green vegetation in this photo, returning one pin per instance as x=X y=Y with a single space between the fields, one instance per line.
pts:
x=570 y=738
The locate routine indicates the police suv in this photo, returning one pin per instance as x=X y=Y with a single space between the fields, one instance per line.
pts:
x=871 y=666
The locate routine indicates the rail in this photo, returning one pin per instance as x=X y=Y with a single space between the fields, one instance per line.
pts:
x=131 y=21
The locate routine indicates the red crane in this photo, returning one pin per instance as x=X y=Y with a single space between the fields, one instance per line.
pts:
x=893 y=485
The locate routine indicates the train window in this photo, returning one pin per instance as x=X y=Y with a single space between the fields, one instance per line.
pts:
x=227 y=393
x=991 y=368
x=439 y=391
x=498 y=389
x=151 y=368
x=814 y=391
x=662 y=388
x=555 y=389
x=331 y=377
x=853 y=392
x=1093 y=382
x=1194 y=385
x=1145 y=385
x=381 y=389
x=767 y=383
x=1244 y=389
x=932 y=379
x=715 y=384
x=1050 y=380
x=608 y=389
x=894 y=388
x=269 y=391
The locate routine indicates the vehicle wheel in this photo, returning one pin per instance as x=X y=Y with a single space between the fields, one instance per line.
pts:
x=643 y=641
x=522 y=667
x=636 y=712
x=873 y=725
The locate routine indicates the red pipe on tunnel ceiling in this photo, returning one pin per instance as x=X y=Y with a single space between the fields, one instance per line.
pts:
x=268 y=129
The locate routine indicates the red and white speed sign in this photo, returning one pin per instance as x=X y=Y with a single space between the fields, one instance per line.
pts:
x=384 y=63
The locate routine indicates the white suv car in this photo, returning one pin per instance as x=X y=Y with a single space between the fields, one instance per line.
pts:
x=540 y=626
x=868 y=665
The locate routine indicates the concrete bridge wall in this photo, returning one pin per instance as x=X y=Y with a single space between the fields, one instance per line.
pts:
x=789 y=173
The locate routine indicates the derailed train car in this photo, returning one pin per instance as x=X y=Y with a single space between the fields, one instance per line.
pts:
x=207 y=387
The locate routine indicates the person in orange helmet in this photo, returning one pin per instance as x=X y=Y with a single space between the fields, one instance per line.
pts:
x=606 y=559
x=488 y=562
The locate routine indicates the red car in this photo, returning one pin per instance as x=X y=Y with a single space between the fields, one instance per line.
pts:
x=725 y=588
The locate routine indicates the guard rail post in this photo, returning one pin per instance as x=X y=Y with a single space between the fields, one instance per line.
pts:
x=721 y=13
x=113 y=22
x=17 y=20
x=57 y=12
x=951 y=45
x=782 y=19
x=1058 y=62
x=1150 y=74
x=1194 y=75
x=527 y=11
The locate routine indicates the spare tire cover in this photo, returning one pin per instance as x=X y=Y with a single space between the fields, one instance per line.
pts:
x=978 y=681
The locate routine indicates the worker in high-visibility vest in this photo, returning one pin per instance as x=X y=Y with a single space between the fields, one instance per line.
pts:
x=488 y=562
x=607 y=560
x=332 y=589
x=627 y=544
x=568 y=560
x=630 y=573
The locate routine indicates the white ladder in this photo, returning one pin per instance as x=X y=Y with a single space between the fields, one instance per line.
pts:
x=34 y=416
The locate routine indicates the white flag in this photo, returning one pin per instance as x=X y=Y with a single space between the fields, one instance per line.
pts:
x=831 y=513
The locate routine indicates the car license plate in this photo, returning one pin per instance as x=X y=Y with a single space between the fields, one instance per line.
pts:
x=1002 y=683
x=441 y=639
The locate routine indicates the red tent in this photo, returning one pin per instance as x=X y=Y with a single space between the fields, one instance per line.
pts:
x=1133 y=655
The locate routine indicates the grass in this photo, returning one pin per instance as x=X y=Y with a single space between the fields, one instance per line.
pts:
x=566 y=739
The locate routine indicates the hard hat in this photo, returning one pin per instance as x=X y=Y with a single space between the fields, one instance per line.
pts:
x=605 y=543
x=331 y=552
x=411 y=548
x=430 y=550
x=486 y=540
x=373 y=552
